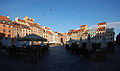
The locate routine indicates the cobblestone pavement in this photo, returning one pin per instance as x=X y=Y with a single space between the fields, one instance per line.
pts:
x=58 y=59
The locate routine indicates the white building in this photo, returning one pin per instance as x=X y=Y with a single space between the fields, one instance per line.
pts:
x=109 y=34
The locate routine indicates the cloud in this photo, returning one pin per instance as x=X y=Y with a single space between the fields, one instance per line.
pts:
x=115 y=25
x=93 y=27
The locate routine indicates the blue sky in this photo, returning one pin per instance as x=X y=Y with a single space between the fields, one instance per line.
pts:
x=63 y=15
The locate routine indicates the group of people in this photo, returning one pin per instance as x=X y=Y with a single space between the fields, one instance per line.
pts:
x=79 y=50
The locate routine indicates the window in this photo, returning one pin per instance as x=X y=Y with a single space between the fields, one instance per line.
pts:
x=3 y=25
x=4 y=30
x=9 y=26
x=9 y=35
x=14 y=33
x=9 y=31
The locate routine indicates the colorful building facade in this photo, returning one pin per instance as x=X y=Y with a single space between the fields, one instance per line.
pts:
x=93 y=33
x=6 y=26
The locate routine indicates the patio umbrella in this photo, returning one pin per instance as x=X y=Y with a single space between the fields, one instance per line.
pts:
x=42 y=44
x=89 y=44
x=103 y=45
x=72 y=41
x=80 y=42
x=27 y=43
x=32 y=37
x=18 y=43
x=32 y=43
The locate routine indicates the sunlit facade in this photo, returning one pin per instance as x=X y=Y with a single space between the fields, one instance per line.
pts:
x=6 y=26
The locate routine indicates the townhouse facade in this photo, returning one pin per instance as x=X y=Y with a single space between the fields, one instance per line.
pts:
x=95 y=34
x=109 y=34
x=101 y=30
x=24 y=27
x=77 y=34
x=27 y=26
x=6 y=27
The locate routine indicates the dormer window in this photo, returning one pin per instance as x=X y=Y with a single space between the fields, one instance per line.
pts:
x=9 y=22
x=3 y=21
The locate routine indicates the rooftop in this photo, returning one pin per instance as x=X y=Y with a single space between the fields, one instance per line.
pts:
x=83 y=25
x=103 y=23
x=4 y=18
x=50 y=32
x=21 y=20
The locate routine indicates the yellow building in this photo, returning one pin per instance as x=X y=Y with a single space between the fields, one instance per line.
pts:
x=84 y=27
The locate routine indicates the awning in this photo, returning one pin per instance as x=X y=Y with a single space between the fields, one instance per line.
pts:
x=32 y=37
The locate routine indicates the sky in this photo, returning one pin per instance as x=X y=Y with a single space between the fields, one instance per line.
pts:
x=63 y=15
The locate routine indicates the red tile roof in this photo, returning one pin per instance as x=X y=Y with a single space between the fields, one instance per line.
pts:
x=102 y=28
x=47 y=28
x=15 y=25
x=71 y=30
x=103 y=23
x=30 y=20
x=21 y=20
x=32 y=24
x=50 y=32
x=53 y=32
x=36 y=24
x=86 y=32
x=69 y=33
x=80 y=30
x=14 y=22
x=83 y=25
x=4 y=18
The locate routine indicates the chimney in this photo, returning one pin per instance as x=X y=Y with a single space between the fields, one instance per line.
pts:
x=7 y=16
x=33 y=19
x=16 y=19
